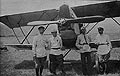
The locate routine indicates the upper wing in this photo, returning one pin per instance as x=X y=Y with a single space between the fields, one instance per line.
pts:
x=106 y=9
x=89 y=19
x=17 y=20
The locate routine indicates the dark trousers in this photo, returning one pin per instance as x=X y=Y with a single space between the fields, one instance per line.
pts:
x=86 y=63
x=55 y=62
x=40 y=62
x=103 y=63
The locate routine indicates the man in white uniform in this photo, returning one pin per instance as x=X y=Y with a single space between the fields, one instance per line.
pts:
x=104 y=46
x=56 y=55
x=40 y=52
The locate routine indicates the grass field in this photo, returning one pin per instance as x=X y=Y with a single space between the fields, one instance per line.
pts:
x=22 y=59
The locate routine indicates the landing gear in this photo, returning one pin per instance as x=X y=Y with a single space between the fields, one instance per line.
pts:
x=102 y=66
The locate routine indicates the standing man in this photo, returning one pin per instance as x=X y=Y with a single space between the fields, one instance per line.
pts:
x=40 y=52
x=104 y=47
x=82 y=44
x=56 y=55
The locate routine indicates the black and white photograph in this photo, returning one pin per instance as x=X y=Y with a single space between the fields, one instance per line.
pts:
x=59 y=37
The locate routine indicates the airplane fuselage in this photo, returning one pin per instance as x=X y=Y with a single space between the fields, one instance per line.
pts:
x=67 y=33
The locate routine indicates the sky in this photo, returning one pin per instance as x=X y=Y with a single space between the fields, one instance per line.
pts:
x=21 y=6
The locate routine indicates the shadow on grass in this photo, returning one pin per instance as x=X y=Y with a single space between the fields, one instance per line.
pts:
x=113 y=66
x=26 y=64
x=29 y=64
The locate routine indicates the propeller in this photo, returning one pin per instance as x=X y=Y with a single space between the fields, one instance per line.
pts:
x=89 y=19
x=37 y=23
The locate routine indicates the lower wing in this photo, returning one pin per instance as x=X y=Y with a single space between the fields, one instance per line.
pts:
x=20 y=46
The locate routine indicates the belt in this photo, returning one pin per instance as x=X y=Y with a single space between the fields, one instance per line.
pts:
x=103 y=44
x=84 y=44
x=55 y=48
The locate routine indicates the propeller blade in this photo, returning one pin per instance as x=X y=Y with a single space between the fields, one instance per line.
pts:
x=37 y=23
x=90 y=19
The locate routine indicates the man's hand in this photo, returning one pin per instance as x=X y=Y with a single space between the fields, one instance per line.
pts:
x=62 y=48
x=80 y=47
x=111 y=48
x=34 y=58
x=47 y=48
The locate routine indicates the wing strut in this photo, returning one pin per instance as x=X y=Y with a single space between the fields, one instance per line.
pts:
x=21 y=29
x=13 y=31
x=46 y=27
x=115 y=21
x=30 y=32
x=24 y=35
x=27 y=34
x=87 y=25
x=66 y=53
x=92 y=27
x=15 y=35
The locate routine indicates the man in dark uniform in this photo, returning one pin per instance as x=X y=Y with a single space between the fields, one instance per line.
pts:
x=82 y=43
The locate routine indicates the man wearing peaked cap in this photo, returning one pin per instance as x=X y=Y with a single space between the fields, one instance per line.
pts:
x=103 y=51
x=100 y=28
x=41 y=27
x=40 y=43
x=54 y=31
x=82 y=43
x=56 y=55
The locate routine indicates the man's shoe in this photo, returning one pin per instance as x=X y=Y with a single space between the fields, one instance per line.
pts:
x=95 y=66
x=49 y=73
x=54 y=74
x=40 y=74
x=63 y=73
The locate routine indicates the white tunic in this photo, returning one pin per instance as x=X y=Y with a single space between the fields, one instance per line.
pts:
x=39 y=44
x=56 y=42
x=103 y=39
x=81 y=40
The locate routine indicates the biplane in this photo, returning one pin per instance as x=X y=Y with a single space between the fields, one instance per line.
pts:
x=68 y=19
